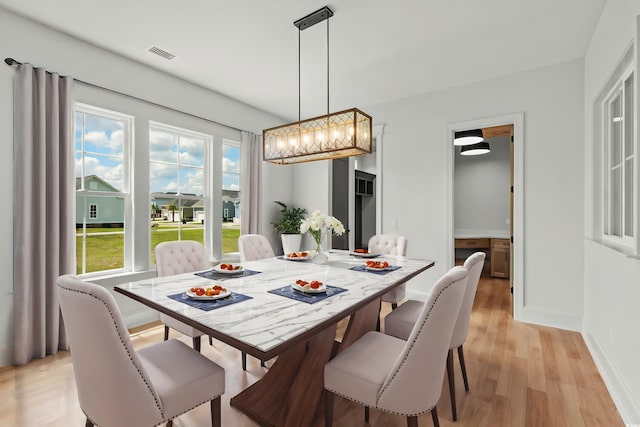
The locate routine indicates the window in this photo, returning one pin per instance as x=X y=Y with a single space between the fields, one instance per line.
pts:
x=176 y=180
x=230 y=196
x=152 y=174
x=619 y=164
x=614 y=218
x=101 y=143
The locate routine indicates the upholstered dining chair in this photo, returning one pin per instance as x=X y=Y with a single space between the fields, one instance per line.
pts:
x=404 y=377
x=400 y=322
x=177 y=257
x=118 y=386
x=390 y=244
x=254 y=247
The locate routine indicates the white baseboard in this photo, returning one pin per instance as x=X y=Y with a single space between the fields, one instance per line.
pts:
x=629 y=408
x=552 y=319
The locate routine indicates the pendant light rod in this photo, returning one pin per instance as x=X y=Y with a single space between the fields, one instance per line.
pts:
x=328 y=67
x=299 y=79
x=322 y=14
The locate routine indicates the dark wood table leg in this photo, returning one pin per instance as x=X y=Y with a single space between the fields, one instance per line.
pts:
x=291 y=389
x=361 y=322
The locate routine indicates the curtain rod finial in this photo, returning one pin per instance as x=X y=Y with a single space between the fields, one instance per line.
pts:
x=9 y=61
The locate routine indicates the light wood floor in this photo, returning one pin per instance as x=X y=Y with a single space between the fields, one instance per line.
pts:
x=519 y=375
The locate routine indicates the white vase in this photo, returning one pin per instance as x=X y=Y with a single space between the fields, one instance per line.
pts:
x=291 y=243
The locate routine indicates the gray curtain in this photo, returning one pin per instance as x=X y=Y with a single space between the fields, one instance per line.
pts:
x=43 y=209
x=250 y=179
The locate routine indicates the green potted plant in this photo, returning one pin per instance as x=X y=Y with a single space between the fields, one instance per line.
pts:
x=289 y=227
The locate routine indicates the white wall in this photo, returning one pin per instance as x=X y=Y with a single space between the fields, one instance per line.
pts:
x=29 y=42
x=481 y=191
x=415 y=178
x=612 y=280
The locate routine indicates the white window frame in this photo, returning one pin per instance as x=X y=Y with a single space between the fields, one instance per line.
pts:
x=93 y=211
x=626 y=243
x=627 y=67
x=125 y=194
x=236 y=144
x=206 y=194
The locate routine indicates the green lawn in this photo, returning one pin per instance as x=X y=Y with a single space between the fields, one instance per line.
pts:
x=106 y=251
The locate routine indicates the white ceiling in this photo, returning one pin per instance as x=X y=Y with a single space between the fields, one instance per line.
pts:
x=380 y=49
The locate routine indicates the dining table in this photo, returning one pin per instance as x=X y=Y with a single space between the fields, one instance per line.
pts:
x=264 y=316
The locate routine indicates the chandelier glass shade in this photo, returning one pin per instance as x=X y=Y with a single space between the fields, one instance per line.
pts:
x=333 y=136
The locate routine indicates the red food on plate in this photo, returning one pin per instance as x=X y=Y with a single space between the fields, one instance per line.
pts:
x=377 y=264
x=361 y=251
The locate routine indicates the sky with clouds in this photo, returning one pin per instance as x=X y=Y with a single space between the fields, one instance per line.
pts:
x=176 y=161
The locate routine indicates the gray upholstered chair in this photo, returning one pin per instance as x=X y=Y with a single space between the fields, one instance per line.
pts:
x=390 y=244
x=404 y=377
x=399 y=323
x=118 y=386
x=177 y=257
x=254 y=247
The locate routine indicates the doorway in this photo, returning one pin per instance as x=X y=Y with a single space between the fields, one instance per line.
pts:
x=481 y=200
x=491 y=186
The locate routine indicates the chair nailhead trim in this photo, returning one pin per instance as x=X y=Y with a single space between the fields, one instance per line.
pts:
x=411 y=346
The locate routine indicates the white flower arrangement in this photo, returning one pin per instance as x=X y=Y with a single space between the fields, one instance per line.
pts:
x=319 y=224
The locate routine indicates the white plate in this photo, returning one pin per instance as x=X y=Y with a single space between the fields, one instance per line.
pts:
x=321 y=289
x=208 y=298
x=361 y=255
x=377 y=269
x=299 y=258
x=220 y=270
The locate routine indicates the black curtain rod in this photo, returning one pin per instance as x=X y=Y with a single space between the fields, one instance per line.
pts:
x=11 y=62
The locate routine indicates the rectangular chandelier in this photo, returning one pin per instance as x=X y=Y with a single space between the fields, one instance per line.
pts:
x=330 y=136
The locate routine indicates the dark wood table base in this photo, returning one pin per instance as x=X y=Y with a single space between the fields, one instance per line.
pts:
x=291 y=391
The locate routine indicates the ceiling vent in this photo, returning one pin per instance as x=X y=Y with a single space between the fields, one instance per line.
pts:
x=161 y=52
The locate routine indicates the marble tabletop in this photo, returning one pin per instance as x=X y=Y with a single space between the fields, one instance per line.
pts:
x=266 y=323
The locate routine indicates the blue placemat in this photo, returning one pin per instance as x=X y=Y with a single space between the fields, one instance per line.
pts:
x=215 y=275
x=382 y=273
x=210 y=305
x=289 y=292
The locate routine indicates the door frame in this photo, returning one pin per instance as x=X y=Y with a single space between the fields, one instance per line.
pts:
x=517 y=275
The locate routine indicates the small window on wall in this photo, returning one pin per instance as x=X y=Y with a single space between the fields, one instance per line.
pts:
x=619 y=164
x=615 y=185
x=93 y=211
